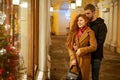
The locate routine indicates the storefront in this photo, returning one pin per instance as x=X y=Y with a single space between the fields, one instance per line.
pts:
x=20 y=20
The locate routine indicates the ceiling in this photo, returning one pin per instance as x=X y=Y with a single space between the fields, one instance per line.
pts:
x=84 y=2
x=58 y=1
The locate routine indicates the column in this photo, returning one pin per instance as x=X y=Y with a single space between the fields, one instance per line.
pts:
x=24 y=48
x=100 y=6
x=48 y=42
x=110 y=26
x=42 y=38
x=115 y=24
x=118 y=38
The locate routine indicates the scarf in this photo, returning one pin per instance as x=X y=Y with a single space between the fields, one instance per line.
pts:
x=81 y=30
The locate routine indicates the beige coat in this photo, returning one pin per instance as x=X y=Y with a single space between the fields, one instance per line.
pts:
x=87 y=44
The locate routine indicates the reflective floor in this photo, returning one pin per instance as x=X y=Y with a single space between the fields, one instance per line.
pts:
x=110 y=69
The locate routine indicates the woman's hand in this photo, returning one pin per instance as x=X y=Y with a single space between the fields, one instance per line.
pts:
x=78 y=52
x=73 y=62
x=75 y=46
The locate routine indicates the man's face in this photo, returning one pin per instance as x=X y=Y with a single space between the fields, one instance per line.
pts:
x=89 y=14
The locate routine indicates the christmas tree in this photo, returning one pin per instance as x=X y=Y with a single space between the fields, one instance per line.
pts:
x=9 y=58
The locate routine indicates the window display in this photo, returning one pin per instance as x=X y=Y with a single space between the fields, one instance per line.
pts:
x=9 y=41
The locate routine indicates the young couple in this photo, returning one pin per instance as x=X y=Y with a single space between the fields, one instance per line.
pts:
x=85 y=41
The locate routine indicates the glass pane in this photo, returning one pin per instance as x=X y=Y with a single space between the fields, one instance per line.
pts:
x=13 y=39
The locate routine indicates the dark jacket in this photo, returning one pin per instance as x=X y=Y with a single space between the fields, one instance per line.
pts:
x=100 y=29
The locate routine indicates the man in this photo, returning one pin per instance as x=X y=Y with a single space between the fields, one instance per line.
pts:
x=100 y=29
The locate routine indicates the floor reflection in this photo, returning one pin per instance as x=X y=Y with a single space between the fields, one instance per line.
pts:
x=60 y=61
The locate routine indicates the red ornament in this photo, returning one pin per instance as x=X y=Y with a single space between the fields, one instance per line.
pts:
x=11 y=77
x=1 y=71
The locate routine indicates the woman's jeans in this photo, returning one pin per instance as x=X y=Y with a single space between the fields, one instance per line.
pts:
x=96 y=68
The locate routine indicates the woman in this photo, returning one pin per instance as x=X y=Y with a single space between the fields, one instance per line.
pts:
x=81 y=42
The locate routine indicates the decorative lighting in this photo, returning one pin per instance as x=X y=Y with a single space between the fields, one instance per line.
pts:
x=73 y=5
x=51 y=9
x=16 y=2
x=78 y=2
x=2 y=17
x=24 y=5
x=7 y=26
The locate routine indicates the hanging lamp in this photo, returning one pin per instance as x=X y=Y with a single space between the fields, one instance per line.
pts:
x=78 y=2
x=51 y=6
x=16 y=2
x=72 y=4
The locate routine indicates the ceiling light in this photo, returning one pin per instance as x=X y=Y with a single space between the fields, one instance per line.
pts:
x=16 y=2
x=78 y=2
x=51 y=9
x=24 y=5
x=73 y=5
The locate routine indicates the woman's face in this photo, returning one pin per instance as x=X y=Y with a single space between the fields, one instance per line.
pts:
x=81 y=22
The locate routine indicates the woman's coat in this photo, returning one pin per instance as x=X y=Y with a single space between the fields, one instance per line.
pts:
x=87 y=44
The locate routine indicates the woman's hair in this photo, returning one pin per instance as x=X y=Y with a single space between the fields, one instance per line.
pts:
x=74 y=29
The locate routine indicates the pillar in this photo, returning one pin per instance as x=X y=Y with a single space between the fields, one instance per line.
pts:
x=109 y=38
x=115 y=24
x=43 y=12
x=118 y=38
x=100 y=5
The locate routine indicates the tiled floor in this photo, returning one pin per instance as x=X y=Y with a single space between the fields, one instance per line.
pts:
x=110 y=69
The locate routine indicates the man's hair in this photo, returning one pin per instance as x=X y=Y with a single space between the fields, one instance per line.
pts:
x=90 y=6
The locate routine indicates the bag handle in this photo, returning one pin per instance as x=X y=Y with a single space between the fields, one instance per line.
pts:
x=78 y=68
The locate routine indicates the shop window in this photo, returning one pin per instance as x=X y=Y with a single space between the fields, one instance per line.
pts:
x=13 y=38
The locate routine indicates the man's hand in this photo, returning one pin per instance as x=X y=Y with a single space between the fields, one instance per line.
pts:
x=78 y=52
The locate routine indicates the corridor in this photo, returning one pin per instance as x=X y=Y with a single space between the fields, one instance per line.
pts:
x=60 y=61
